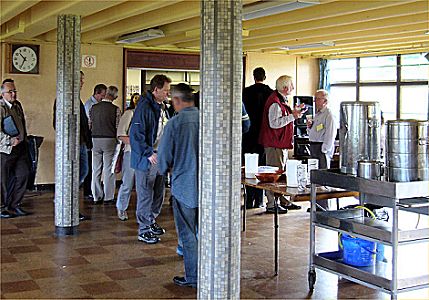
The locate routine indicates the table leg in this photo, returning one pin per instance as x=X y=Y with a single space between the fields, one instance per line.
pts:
x=276 y=236
x=244 y=207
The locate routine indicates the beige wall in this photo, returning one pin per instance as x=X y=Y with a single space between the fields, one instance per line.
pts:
x=37 y=93
x=305 y=71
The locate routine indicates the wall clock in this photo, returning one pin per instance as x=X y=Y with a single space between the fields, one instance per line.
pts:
x=24 y=59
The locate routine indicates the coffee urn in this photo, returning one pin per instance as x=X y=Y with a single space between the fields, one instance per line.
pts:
x=359 y=134
x=407 y=150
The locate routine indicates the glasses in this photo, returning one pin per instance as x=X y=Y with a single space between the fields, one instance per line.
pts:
x=11 y=91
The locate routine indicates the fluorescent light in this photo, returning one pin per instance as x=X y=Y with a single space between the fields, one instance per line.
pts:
x=305 y=46
x=268 y=8
x=140 y=36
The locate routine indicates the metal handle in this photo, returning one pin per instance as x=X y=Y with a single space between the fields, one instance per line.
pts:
x=424 y=141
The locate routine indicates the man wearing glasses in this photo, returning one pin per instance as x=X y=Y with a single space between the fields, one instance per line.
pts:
x=14 y=153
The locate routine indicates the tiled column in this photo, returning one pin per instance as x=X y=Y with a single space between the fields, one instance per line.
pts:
x=67 y=126
x=220 y=147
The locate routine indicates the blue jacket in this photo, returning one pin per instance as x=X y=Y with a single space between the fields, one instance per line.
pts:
x=178 y=152
x=143 y=130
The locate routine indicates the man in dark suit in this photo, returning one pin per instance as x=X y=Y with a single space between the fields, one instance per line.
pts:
x=15 y=166
x=254 y=98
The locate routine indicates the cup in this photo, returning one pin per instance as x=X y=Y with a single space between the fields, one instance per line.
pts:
x=309 y=118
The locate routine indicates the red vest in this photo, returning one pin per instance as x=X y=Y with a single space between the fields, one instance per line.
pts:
x=281 y=138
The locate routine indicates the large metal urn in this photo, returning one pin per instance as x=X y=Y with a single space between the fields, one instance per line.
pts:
x=360 y=124
x=407 y=150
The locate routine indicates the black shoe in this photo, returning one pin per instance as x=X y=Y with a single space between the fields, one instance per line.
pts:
x=7 y=215
x=272 y=210
x=97 y=202
x=181 y=281
x=156 y=229
x=317 y=209
x=249 y=206
x=20 y=212
x=148 y=237
x=83 y=217
x=108 y=202
x=292 y=206
x=88 y=197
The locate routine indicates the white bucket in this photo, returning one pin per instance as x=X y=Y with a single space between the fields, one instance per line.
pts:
x=251 y=164
x=291 y=172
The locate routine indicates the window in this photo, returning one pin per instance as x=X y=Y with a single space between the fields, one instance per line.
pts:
x=385 y=95
x=373 y=69
x=399 y=83
x=414 y=102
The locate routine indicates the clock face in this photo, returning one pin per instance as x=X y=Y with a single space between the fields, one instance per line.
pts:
x=25 y=59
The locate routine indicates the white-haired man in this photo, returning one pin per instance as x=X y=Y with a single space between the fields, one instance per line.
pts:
x=322 y=131
x=277 y=134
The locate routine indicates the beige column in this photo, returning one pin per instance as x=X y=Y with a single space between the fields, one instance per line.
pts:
x=220 y=148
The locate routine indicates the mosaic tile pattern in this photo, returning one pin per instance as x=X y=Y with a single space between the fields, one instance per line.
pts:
x=67 y=122
x=220 y=148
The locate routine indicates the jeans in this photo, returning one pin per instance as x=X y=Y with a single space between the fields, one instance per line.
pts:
x=186 y=220
x=127 y=185
x=150 y=196
x=83 y=163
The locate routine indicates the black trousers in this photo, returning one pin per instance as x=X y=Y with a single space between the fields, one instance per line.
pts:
x=15 y=170
x=316 y=152
x=88 y=179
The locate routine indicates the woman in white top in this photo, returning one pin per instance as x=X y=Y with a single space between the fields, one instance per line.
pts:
x=128 y=176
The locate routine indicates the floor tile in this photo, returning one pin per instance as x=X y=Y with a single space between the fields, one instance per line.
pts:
x=102 y=288
x=18 y=286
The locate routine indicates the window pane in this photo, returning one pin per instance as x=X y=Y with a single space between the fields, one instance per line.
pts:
x=342 y=70
x=414 y=102
x=339 y=94
x=382 y=68
x=414 y=67
x=385 y=95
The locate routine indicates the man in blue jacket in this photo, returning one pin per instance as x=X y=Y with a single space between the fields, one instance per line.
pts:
x=147 y=127
x=178 y=153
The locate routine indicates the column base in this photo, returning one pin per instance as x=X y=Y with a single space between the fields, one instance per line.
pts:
x=63 y=231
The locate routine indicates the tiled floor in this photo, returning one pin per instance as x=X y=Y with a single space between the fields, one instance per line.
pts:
x=106 y=261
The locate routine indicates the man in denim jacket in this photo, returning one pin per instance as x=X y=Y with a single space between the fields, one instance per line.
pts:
x=178 y=153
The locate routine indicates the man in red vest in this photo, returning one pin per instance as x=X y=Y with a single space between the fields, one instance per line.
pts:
x=277 y=134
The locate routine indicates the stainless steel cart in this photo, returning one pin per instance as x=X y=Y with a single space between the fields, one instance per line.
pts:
x=409 y=196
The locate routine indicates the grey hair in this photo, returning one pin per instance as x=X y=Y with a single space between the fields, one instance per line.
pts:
x=324 y=93
x=112 y=91
x=283 y=81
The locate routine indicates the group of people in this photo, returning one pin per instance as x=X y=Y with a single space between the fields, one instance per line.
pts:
x=271 y=131
x=156 y=143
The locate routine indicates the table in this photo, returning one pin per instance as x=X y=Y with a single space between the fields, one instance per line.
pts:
x=279 y=188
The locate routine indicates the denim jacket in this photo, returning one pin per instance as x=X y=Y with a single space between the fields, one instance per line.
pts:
x=143 y=130
x=178 y=152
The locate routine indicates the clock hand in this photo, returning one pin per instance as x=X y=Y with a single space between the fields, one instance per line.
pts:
x=23 y=62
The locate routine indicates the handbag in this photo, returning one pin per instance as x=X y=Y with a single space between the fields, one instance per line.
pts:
x=118 y=158
x=9 y=126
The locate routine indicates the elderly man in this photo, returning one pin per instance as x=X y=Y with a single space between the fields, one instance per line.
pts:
x=147 y=127
x=103 y=121
x=322 y=131
x=98 y=95
x=277 y=134
x=178 y=152
x=14 y=153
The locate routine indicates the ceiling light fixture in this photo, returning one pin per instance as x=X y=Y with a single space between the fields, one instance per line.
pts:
x=315 y=45
x=269 y=7
x=139 y=36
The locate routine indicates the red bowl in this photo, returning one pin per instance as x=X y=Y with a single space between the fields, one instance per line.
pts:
x=268 y=177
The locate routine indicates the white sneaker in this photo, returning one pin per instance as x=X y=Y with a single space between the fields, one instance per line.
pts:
x=122 y=215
